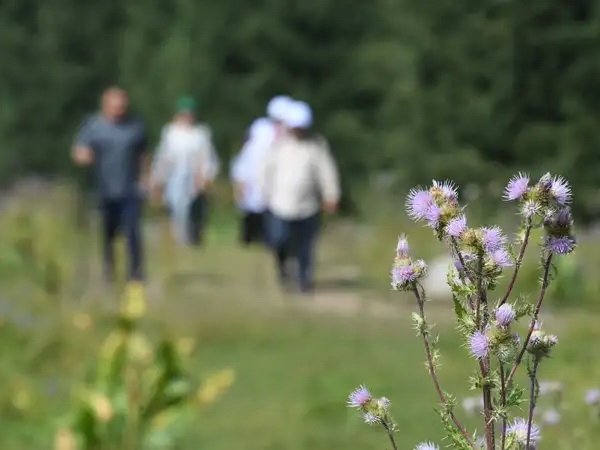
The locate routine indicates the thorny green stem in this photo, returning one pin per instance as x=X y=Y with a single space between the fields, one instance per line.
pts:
x=431 y=366
x=485 y=365
x=518 y=263
x=503 y=400
x=464 y=267
x=390 y=435
x=532 y=398
x=538 y=306
x=479 y=292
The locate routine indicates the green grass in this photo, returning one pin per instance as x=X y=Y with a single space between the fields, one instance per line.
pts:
x=295 y=360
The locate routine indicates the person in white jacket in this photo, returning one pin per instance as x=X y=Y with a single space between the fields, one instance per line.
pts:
x=299 y=179
x=245 y=172
x=184 y=165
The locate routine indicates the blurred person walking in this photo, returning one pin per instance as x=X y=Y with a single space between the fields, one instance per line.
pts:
x=115 y=143
x=245 y=172
x=184 y=166
x=299 y=180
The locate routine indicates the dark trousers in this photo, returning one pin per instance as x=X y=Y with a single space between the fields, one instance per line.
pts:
x=122 y=216
x=252 y=228
x=295 y=239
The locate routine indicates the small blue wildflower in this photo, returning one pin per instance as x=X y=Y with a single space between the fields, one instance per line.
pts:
x=592 y=397
x=551 y=417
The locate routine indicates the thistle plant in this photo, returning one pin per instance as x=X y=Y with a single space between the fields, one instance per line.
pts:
x=486 y=319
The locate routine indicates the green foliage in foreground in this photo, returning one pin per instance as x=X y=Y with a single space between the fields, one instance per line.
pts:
x=295 y=361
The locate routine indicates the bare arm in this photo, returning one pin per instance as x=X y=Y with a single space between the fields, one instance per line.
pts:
x=82 y=152
x=328 y=177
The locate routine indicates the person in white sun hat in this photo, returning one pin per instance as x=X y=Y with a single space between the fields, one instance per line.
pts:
x=244 y=175
x=299 y=179
x=277 y=110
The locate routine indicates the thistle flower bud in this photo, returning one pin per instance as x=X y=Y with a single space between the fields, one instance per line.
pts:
x=518 y=431
x=427 y=446
x=371 y=418
x=530 y=209
x=402 y=249
x=540 y=344
x=545 y=182
x=505 y=315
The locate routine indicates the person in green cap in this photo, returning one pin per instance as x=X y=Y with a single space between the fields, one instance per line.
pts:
x=185 y=164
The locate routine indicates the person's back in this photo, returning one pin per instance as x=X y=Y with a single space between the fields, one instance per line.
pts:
x=300 y=174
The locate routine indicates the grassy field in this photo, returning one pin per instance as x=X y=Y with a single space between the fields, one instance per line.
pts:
x=295 y=359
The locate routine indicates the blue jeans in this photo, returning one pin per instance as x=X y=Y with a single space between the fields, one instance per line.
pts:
x=122 y=215
x=294 y=239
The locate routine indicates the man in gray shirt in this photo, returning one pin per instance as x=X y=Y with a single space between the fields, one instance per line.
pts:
x=115 y=144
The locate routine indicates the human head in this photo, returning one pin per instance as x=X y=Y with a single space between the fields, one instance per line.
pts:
x=277 y=106
x=114 y=103
x=261 y=130
x=185 y=109
x=299 y=118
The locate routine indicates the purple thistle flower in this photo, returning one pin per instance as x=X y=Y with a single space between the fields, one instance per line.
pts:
x=479 y=344
x=418 y=203
x=457 y=226
x=592 y=397
x=493 y=239
x=371 y=418
x=560 y=190
x=448 y=189
x=427 y=446
x=501 y=258
x=560 y=245
x=403 y=249
x=433 y=214
x=505 y=314
x=518 y=429
x=551 y=417
x=401 y=275
x=359 y=398
x=517 y=187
